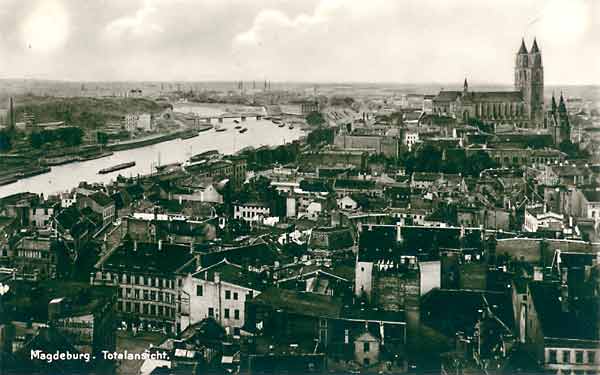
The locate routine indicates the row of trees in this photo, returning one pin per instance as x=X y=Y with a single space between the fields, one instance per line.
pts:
x=431 y=159
x=69 y=136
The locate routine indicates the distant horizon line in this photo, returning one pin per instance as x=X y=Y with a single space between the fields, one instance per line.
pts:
x=438 y=83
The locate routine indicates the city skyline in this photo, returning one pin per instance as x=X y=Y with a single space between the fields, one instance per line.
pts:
x=287 y=41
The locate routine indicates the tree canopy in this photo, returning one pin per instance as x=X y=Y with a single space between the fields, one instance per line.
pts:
x=315 y=119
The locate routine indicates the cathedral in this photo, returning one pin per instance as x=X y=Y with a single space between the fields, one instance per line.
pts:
x=523 y=107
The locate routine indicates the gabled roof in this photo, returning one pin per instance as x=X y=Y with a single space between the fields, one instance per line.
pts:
x=256 y=255
x=233 y=274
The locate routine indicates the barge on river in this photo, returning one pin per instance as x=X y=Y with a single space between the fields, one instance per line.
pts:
x=117 y=167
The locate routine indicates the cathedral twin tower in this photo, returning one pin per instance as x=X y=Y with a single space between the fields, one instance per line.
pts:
x=529 y=80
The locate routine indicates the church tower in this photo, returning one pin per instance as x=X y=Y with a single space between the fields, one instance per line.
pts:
x=536 y=103
x=558 y=121
x=529 y=79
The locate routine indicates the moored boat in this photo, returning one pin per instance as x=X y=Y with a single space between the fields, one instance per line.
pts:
x=117 y=167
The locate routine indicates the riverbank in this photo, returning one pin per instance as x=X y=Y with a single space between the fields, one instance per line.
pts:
x=160 y=152
x=147 y=141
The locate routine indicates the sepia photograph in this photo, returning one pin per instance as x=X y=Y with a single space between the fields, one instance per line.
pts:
x=264 y=187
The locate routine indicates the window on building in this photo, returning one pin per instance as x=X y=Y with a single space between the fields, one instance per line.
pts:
x=366 y=347
x=199 y=290
x=566 y=356
x=591 y=357
x=552 y=356
x=235 y=296
x=226 y=313
x=152 y=309
x=236 y=314
x=211 y=312
x=579 y=356
x=227 y=294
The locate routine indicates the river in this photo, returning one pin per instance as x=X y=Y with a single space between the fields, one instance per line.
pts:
x=65 y=177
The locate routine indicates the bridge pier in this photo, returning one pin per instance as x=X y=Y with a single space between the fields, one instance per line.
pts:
x=220 y=120
x=243 y=118
x=258 y=117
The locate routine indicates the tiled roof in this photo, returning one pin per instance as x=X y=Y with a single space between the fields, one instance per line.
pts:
x=233 y=274
x=575 y=323
x=256 y=255
x=102 y=199
x=447 y=96
x=493 y=96
x=331 y=239
x=147 y=258
x=300 y=303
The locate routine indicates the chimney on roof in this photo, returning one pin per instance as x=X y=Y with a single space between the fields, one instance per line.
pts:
x=217 y=278
x=538 y=274
x=159 y=245
x=135 y=245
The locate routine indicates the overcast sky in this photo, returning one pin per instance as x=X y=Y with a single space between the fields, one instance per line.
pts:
x=405 y=41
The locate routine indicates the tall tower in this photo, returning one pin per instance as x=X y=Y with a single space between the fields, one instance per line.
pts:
x=536 y=103
x=529 y=79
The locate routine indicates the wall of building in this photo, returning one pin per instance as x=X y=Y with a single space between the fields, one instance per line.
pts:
x=372 y=355
x=431 y=276
x=214 y=295
x=364 y=279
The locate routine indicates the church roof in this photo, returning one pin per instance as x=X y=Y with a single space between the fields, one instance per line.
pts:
x=523 y=49
x=447 y=96
x=494 y=96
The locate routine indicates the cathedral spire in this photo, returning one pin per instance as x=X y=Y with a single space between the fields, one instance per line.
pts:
x=465 y=86
x=553 y=103
x=523 y=49
x=561 y=105
x=534 y=48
